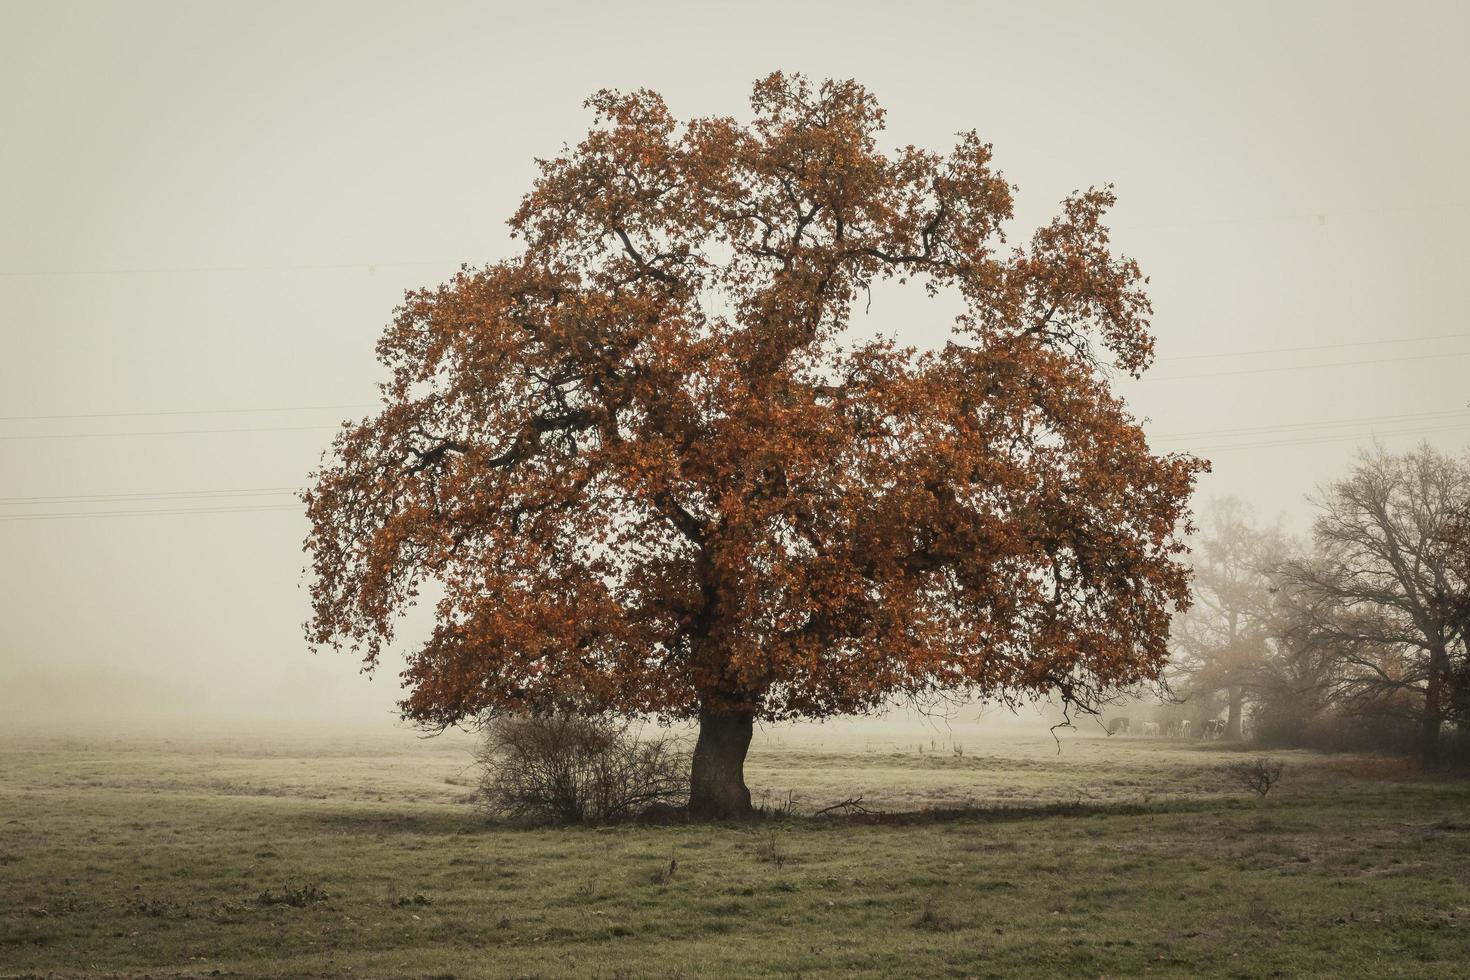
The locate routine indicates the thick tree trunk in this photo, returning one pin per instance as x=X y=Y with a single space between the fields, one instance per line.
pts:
x=1433 y=707
x=1237 y=709
x=1429 y=739
x=717 y=789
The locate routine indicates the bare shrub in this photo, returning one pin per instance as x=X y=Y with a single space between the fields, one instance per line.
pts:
x=662 y=876
x=931 y=919
x=295 y=895
x=778 y=808
x=1257 y=775
x=769 y=850
x=577 y=769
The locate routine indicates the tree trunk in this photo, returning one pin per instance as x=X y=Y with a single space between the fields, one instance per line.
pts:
x=1429 y=740
x=1433 y=707
x=1233 y=720
x=717 y=789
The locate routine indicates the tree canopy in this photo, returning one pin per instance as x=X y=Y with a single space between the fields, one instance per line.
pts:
x=650 y=466
x=1386 y=589
x=1222 y=645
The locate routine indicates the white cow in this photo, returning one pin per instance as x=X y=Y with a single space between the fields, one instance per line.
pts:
x=1149 y=728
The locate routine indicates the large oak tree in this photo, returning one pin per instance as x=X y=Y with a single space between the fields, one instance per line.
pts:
x=650 y=468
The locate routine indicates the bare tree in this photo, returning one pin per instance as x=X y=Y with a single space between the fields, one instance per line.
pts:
x=1454 y=551
x=1221 y=645
x=1305 y=678
x=1383 y=590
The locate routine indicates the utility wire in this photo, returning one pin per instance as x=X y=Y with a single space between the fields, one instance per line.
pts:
x=366 y=405
x=181 y=411
x=1320 y=217
x=181 y=495
x=1293 y=350
x=1327 y=423
x=1306 y=367
x=303 y=428
x=177 y=512
x=1315 y=440
x=174 y=432
x=183 y=512
x=190 y=496
x=1191 y=434
x=368 y=267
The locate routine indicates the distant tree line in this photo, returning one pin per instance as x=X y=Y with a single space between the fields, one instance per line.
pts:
x=1354 y=639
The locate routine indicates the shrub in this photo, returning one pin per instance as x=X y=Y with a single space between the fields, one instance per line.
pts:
x=780 y=807
x=295 y=895
x=1257 y=775
x=578 y=769
x=1339 y=731
x=769 y=849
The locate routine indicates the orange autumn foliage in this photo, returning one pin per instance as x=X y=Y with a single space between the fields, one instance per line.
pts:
x=649 y=467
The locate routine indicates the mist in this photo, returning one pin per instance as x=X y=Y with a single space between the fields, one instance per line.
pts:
x=210 y=211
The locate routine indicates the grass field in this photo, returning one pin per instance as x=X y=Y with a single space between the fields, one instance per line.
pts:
x=299 y=854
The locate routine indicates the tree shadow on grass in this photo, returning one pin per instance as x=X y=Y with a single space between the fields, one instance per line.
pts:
x=369 y=821
x=391 y=822
x=1024 y=812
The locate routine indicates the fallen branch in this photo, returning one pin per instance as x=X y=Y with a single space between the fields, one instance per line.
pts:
x=853 y=805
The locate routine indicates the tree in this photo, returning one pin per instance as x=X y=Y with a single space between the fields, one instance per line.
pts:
x=1385 y=589
x=1453 y=550
x=1297 y=683
x=654 y=470
x=1223 y=643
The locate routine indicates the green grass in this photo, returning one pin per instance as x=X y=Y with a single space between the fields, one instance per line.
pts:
x=311 y=856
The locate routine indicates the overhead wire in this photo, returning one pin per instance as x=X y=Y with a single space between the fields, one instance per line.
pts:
x=1320 y=217
x=170 y=432
x=143 y=495
x=176 y=512
x=179 y=411
x=1320 y=439
x=1325 y=423
x=1305 y=367
x=1312 y=347
x=1298 y=434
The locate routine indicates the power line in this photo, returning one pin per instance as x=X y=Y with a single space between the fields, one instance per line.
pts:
x=1249 y=430
x=174 y=432
x=1327 y=423
x=367 y=405
x=181 y=411
x=1305 y=367
x=191 y=495
x=1293 y=350
x=177 y=512
x=1320 y=217
x=1342 y=437
x=96 y=498
x=369 y=267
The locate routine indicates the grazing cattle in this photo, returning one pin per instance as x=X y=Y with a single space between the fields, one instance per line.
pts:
x=1184 y=728
x=1118 y=726
x=1213 y=728
x=1150 y=728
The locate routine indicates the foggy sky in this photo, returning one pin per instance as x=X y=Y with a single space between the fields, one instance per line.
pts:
x=217 y=206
